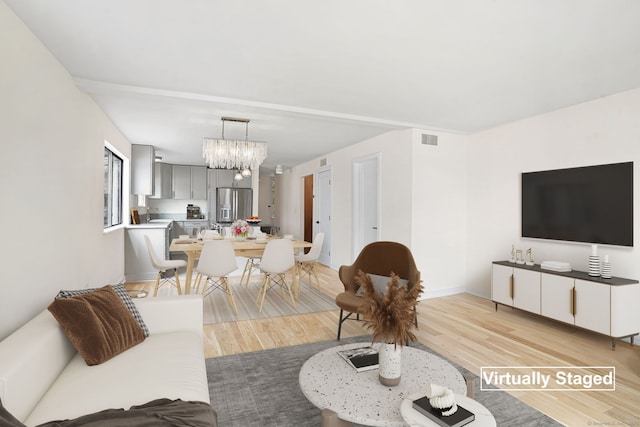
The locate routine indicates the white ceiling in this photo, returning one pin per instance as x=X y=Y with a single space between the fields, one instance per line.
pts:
x=314 y=76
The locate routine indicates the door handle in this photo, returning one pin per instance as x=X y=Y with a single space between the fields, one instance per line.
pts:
x=511 y=283
x=374 y=228
x=317 y=222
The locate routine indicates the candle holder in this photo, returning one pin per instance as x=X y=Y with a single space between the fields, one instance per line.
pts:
x=606 y=268
x=594 y=262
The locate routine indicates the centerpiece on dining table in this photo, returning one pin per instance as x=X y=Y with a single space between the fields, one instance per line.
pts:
x=240 y=229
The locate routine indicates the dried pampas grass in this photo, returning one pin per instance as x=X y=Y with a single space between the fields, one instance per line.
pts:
x=390 y=317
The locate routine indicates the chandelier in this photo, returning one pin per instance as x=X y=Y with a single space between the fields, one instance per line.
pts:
x=242 y=155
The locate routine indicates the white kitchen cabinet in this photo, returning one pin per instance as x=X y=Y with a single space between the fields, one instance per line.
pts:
x=162 y=181
x=593 y=306
x=189 y=182
x=606 y=306
x=142 y=169
x=557 y=297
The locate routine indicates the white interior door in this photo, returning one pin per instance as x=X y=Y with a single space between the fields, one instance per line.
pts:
x=365 y=202
x=322 y=205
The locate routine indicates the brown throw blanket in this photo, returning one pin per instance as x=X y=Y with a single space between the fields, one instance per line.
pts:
x=160 y=412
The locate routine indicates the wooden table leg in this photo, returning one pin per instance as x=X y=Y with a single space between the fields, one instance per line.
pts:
x=330 y=419
x=191 y=256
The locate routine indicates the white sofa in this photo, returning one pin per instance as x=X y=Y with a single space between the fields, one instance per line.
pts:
x=43 y=378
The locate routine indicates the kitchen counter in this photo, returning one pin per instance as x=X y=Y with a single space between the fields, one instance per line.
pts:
x=150 y=225
x=138 y=265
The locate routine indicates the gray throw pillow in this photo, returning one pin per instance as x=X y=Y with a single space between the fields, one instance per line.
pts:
x=380 y=283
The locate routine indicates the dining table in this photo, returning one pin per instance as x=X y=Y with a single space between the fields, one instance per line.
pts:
x=251 y=248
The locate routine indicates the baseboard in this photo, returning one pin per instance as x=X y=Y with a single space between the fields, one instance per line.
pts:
x=453 y=291
x=478 y=294
x=437 y=293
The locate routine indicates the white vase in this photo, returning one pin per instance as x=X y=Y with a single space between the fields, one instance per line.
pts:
x=389 y=364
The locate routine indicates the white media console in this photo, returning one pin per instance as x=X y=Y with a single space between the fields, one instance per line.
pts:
x=606 y=306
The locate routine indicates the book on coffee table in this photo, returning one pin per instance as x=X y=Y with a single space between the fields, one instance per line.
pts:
x=361 y=359
x=459 y=418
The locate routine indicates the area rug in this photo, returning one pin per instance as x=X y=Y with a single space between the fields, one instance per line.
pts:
x=218 y=310
x=261 y=389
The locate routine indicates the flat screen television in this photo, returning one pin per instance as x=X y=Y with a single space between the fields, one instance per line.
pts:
x=591 y=204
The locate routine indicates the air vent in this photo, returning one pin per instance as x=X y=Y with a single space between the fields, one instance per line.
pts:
x=323 y=162
x=429 y=139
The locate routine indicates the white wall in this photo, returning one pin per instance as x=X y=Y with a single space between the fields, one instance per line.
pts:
x=265 y=200
x=395 y=171
x=423 y=202
x=439 y=218
x=603 y=131
x=51 y=180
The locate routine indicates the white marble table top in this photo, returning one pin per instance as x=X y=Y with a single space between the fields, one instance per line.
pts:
x=329 y=382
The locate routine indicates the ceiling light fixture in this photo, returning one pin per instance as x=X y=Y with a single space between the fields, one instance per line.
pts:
x=234 y=154
x=279 y=170
x=238 y=176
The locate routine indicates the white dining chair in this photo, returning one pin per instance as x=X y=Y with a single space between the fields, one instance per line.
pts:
x=306 y=263
x=276 y=261
x=253 y=260
x=209 y=234
x=164 y=266
x=217 y=260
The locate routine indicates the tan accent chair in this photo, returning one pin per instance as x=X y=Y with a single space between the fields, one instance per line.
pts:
x=380 y=258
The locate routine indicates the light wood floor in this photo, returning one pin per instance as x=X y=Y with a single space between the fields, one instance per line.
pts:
x=467 y=330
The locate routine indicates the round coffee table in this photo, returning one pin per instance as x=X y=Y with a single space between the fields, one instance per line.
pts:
x=329 y=382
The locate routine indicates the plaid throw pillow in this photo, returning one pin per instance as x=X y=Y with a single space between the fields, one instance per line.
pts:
x=122 y=293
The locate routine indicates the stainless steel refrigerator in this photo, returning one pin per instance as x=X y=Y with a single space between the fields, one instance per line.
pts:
x=232 y=204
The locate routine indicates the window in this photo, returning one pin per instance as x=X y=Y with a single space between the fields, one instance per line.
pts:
x=113 y=170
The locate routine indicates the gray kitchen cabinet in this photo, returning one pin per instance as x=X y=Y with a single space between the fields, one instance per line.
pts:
x=189 y=227
x=163 y=177
x=142 y=169
x=245 y=182
x=189 y=182
x=226 y=179
x=198 y=182
x=181 y=179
